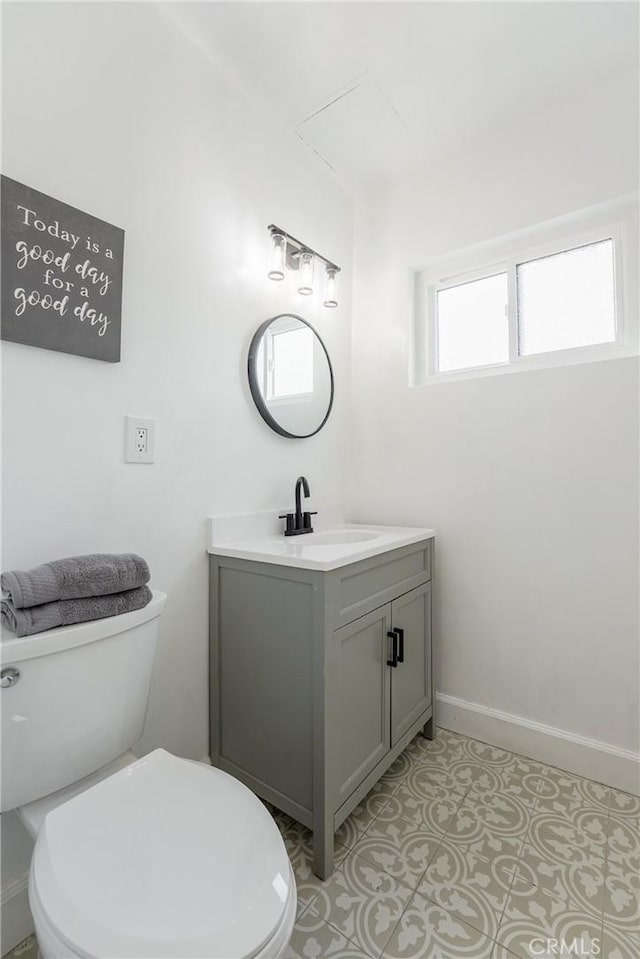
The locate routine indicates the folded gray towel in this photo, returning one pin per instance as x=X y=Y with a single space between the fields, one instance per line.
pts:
x=65 y=612
x=96 y=574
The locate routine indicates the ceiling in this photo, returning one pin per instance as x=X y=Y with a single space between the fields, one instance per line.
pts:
x=377 y=88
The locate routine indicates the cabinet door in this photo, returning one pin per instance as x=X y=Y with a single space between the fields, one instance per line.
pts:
x=362 y=700
x=411 y=681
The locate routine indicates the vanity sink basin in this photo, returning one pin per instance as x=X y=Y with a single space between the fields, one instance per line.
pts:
x=259 y=537
x=341 y=537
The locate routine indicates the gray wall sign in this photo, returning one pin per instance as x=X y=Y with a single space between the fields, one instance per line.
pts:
x=61 y=275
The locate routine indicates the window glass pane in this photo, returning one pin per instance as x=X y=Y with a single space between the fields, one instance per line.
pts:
x=473 y=327
x=566 y=300
x=292 y=363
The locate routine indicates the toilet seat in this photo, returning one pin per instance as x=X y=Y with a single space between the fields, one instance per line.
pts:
x=167 y=858
x=50 y=946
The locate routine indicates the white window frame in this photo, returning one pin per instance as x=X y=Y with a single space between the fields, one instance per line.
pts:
x=616 y=221
x=289 y=398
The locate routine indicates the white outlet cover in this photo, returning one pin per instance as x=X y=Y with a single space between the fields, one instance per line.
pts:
x=131 y=454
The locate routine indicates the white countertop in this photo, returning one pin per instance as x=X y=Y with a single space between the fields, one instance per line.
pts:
x=312 y=551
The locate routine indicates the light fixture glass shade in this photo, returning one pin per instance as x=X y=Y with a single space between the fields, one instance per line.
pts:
x=330 y=288
x=278 y=256
x=306 y=274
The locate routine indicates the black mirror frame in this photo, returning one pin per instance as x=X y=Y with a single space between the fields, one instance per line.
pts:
x=253 y=379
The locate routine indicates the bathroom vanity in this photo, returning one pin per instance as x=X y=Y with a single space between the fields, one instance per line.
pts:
x=321 y=665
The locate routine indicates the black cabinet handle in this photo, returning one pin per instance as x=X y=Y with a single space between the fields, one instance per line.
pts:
x=394 y=655
x=400 y=634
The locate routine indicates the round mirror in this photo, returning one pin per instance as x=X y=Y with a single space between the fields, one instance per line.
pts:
x=290 y=376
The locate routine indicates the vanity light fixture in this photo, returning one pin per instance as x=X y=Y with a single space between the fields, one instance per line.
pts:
x=330 y=284
x=306 y=274
x=288 y=253
x=278 y=256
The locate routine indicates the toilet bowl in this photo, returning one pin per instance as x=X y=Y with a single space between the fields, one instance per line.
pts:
x=152 y=858
x=165 y=858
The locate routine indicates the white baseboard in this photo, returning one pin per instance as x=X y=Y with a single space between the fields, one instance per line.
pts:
x=16 y=923
x=602 y=762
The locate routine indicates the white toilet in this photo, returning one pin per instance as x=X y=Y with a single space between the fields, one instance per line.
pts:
x=156 y=857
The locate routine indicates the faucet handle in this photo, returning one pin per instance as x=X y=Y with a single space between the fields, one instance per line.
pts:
x=306 y=520
x=290 y=518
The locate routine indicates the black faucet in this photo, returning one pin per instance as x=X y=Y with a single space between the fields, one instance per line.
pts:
x=299 y=522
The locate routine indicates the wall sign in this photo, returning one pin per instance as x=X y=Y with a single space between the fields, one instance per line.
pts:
x=61 y=274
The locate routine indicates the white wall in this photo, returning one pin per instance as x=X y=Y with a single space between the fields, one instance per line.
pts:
x=109 y=108
x=531 y=479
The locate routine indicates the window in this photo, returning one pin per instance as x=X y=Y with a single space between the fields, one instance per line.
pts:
x=548 y=296
x=473 y=327
x=290 y=363
x=285 y=362
x=567 y=299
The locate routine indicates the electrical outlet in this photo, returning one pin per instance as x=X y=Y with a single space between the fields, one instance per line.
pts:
x=139 y=440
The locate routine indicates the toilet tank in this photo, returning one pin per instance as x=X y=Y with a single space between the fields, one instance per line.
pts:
x=78 y=703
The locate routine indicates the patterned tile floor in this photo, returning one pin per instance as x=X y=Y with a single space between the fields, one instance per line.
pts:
x=27 y=949
x=464 y=850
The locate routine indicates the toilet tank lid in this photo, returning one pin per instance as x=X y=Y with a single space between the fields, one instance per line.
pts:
x=15 y=649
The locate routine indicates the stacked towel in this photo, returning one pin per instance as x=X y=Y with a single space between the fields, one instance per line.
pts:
x=97 y=574
x=73 y=590
x=66 y=612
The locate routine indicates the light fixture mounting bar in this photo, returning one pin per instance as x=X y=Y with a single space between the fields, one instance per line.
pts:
x=303 y=247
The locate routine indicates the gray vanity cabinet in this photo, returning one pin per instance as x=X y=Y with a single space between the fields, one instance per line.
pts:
x=411 y=681
x=362 y=697
x=307 y=705
x=376 y=705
